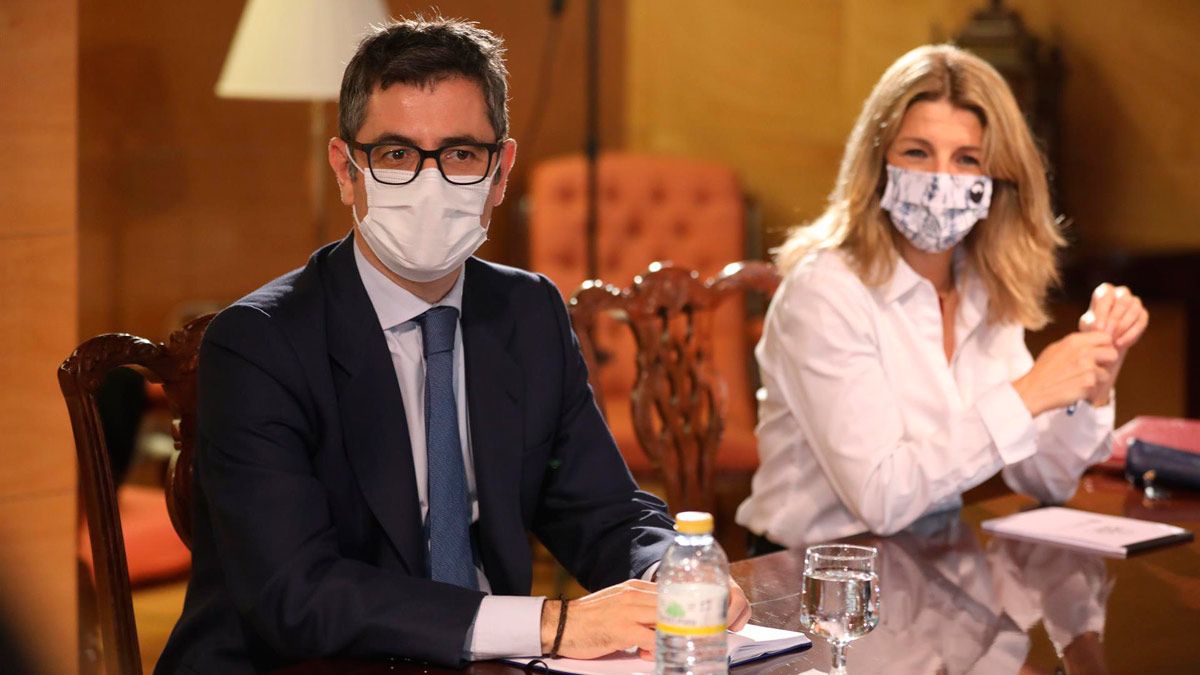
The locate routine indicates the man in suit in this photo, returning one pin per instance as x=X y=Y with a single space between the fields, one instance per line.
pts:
x=381 y=429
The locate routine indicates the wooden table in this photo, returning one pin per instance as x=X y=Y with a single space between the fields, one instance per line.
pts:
x=955 y=600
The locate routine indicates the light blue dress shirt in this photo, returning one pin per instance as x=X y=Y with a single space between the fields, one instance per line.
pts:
x=505 y=626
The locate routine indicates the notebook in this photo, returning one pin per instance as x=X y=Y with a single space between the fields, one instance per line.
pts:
x=749 y=644
x=1111 y=536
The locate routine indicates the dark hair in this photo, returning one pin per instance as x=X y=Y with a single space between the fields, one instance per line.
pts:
x=423 y=51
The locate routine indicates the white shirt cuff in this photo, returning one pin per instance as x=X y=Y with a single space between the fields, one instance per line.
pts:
x=648 y=575
x=507 y=626
x=1105 y=415
x=1088 y=431
x=1008 y=422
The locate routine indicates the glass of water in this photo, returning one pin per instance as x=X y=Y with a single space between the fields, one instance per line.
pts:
x=840 y=600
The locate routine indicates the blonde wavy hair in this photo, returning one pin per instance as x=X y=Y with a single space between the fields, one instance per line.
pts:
x=1013 y=250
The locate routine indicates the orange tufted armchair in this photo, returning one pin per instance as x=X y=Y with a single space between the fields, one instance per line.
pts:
x=651 y=208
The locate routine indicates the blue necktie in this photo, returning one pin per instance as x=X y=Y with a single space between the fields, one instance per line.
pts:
x=449 y=519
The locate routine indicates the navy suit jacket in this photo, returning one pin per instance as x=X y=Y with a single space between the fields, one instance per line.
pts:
x=308 y=538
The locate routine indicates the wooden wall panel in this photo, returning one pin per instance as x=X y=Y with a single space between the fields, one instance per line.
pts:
x=37 y=329
x=1131 y=145
x=525 y=26
x=183 y=196
x=38 y=575
x=37 y=119
x=773 y=87
x=187 y=197
x=756 y=85
x=37 y=326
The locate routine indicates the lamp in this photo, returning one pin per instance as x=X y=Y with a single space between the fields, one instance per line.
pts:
x=296 y=50
x=1032 y=69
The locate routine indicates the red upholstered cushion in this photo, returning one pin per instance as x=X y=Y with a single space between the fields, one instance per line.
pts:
x=686 y=211
x=152 y=548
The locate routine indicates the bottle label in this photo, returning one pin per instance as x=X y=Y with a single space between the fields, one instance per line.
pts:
x=692 y=609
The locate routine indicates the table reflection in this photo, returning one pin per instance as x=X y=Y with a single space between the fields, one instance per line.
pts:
x=951 y=606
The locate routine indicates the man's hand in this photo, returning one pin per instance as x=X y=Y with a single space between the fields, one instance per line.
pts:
x=606 y=621
x=620 y=617
x=739 y=608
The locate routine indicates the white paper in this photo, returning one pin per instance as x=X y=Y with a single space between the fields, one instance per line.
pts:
x=744 y=645
x=1096 y=532
x=754 y=641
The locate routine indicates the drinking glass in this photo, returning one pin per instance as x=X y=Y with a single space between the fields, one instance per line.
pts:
x=840 y=598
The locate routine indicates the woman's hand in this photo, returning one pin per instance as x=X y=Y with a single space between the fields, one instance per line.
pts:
x=1067 y=371
x=1120 y=313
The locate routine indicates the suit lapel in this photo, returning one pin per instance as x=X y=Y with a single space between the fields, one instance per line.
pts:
x=374 y=427
x=494 y=385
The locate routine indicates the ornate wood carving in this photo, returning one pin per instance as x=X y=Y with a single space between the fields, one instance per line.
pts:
x=173 y=365
x=593 y=298
x=678 y=401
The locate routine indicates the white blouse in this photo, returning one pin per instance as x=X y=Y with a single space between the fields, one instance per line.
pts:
x=865 y=426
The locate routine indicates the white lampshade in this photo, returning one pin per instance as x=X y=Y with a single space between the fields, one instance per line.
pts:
x=295 y=49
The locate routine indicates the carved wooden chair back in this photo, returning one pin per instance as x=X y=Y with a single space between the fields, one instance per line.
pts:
x=679 y=401
x=173 y=365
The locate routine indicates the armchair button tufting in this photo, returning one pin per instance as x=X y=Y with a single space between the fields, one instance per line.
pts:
x=633 y=228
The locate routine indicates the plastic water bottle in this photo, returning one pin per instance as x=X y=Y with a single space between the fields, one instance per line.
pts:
x=693 y=592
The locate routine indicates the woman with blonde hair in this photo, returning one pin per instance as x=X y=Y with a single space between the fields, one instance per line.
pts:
x=893 y=356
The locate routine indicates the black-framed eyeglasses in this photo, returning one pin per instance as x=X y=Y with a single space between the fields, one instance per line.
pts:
x=400 y=163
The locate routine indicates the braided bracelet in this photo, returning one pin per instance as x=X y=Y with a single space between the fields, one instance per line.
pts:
x=562 y=623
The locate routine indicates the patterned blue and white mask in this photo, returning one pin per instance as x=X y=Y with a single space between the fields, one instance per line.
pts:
x=935 y=211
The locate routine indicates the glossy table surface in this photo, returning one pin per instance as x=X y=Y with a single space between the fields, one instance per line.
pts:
x=955 y=600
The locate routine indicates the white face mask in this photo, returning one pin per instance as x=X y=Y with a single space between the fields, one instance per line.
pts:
x=935 y=211
x=423 y=230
